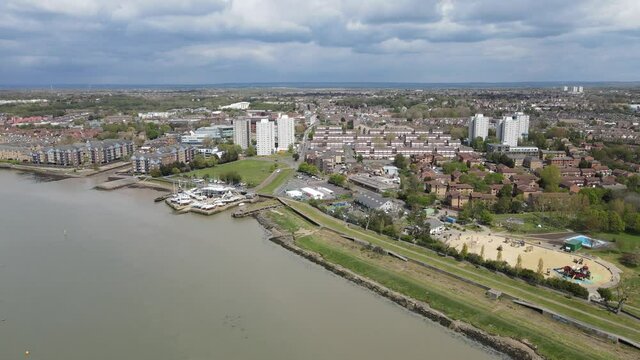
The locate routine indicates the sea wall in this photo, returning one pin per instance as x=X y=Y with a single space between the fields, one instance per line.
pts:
x=509 y=346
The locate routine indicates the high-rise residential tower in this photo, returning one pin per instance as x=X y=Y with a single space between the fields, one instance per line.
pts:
x=478 y=127
x=286 y=132
x=265 y=137
x=242 y=132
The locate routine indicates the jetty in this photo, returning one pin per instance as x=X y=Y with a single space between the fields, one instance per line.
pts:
x=117 y=182
x=240 y=213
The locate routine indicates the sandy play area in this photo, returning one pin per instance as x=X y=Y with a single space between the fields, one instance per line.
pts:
x=530 y=254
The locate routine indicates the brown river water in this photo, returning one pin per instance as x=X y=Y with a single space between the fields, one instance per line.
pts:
x=87 y=274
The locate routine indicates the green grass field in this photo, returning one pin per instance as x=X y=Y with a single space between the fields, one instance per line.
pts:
x=465 y=303
x=280 y=179
x=252 y=171
x=630 y=275
x=574 y=308
x=532 y=223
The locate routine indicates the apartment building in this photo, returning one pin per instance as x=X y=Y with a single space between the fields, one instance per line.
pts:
x=265 y=137
x=286 y=132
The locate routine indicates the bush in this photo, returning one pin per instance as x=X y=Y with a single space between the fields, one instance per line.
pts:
x=630 y=259
x=531 y=276
x=308 y=169
x=605 y=294
x=568 y=286
x=337 y=179
x=231 y=177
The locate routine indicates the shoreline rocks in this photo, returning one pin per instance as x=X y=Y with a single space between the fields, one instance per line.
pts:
x=506 y=345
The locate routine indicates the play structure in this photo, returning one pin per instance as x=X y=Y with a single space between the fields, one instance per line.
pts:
x=575 y=273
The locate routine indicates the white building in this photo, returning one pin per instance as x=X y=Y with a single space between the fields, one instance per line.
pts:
x=243 y=105
x=312 y=193
x=508 y=131
x=265 y=137
x=513 y=127
x=213 y=132
x=523 y=124
x=242 y=132
x=478 y=127
x=286 y=132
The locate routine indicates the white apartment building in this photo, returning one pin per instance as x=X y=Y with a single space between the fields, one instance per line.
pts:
x=286 y=132
x=242 y=132
x=478 y=127
x=265 y=137
x=508 y=131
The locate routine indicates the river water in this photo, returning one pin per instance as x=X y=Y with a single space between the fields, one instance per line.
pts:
x=86 y=274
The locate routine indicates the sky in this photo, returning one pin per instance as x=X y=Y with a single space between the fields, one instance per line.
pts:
x=238 y=41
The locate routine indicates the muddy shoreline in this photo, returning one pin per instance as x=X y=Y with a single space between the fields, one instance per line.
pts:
x=514 y=348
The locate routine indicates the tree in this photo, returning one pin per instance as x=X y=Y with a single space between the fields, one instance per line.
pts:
x=465 y=251
x=485 y=217
x=540 y=266
x=337 y=179
x=623 y=290
x=519 y=263
x=308 y=169
x=605 y=294
x=400 y=162
x=550 y=178
x=155 y=173
x=295 y=156
x=482 y=252
x=359 y=158
x=616 y=224
x=231 y=177
x=499 y=257
x=450 y=167
x=250 y=151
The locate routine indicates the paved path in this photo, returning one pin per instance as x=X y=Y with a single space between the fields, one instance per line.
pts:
x=535 y=295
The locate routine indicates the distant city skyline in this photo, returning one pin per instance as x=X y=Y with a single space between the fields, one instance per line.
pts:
x=224 y=41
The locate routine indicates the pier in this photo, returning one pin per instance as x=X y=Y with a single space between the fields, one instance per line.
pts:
x=254 y=210
x=117 y=182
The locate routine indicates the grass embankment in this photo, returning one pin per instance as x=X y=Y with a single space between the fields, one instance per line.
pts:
x=623 y=243
x=457 y=299
x=574 y=308
x=252 y=171
x=279 y=179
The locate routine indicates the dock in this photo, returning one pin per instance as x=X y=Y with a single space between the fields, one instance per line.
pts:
x=254 y=210
x=118 y=183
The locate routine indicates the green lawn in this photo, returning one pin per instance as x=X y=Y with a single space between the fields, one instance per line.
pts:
x=574 y=308
x=280 y=179
x=623 y=242
x=533 y=222
x=477 y=311
x=253 y=171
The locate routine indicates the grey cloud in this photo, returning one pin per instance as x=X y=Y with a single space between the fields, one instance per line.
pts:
x=377 y=40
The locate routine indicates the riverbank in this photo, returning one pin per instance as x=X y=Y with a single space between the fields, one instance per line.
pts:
x=457 y=297
x=62 y=172
x=511 y=347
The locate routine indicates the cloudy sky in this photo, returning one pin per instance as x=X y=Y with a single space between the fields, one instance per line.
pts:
x=218 y=41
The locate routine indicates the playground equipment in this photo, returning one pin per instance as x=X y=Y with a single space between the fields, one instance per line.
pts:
x=576 y=273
